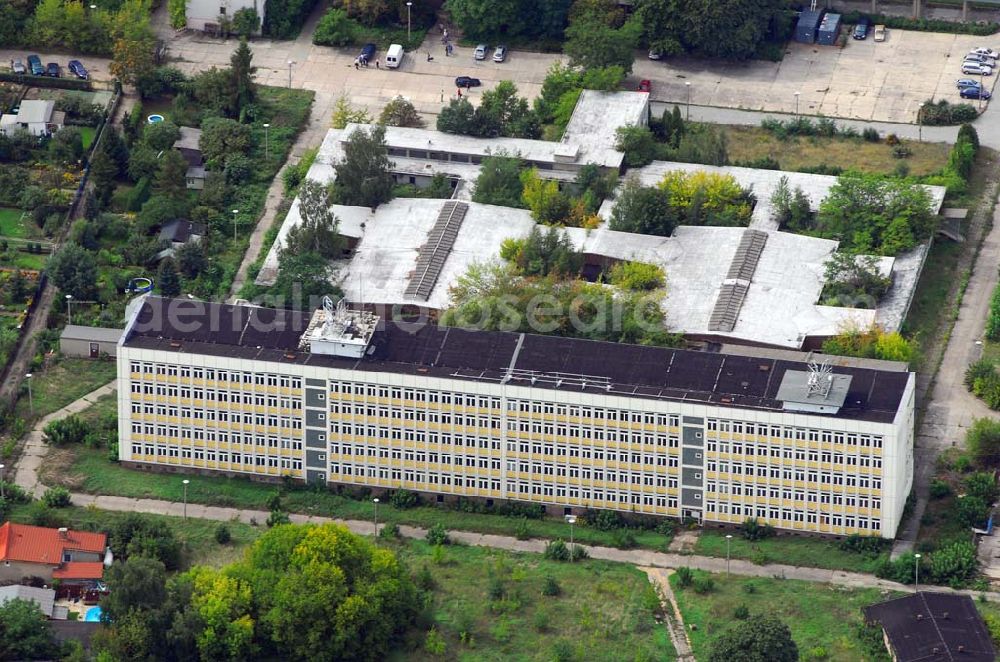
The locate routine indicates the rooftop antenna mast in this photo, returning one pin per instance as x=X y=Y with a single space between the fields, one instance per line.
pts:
x=820 y=379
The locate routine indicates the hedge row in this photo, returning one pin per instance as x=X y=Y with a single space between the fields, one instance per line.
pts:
x=923 y=24
x=47 y=81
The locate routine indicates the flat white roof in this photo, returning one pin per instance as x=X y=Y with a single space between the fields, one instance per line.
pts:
x=596 y=119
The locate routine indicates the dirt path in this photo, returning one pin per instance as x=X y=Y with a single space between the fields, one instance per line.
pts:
x=671 y=612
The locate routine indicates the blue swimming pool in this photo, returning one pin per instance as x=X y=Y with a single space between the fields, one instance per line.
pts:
x=93 y=615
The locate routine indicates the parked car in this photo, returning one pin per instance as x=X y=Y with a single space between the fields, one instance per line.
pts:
x=974 y=93
x=645 y=85
x=977 y=69
x=982 y=59
x=988 y=52
x=480 y=53
x=655 y=55
x=78 y=70
x=52 y=69
x=861 y=29
x=18 y=67
x=367 y=53
x=500 y=54
x=966 y=82
x=467 y=82
x=879 y=33
x=35 y=65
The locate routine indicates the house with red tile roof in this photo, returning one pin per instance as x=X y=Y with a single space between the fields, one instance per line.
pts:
x=35 y=551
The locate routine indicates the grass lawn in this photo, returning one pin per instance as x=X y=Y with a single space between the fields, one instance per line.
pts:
x=33 y=261
x=751 y=143
x=88 y=470
x=930 y=300
x=787 y=549
x=602 y=611
x=819 y=615
x=61 y=383
x=87 y=133
x=196 y=535
x=11 y=224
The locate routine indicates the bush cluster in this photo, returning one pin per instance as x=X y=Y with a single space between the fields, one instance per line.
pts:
x=983 y=381
x=922 y=24
x=803 y=126
x=941 y=112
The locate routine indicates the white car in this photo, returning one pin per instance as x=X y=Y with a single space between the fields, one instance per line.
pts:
x=988 y=52
x=977 y=69
x=982 y=59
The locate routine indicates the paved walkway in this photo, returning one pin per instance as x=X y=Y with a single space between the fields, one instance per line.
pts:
x=671 y=613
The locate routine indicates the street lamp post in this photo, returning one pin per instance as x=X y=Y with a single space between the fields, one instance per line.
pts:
x=290 y=63
x=408 y=5
x=31 y=399
x=728 y=538
x=920 y=123
x=687 y=111
x=186 y=481
x=235 y=212
x=267 y=147
x=69 y=308
x=916 y=572
x=1 y=482
x=375 y=501
x=571 y=519
x=797 y=103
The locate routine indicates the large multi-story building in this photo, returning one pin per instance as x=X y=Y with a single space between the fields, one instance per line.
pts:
x=339 y=397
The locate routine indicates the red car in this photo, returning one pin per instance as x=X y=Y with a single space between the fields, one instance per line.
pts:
x=645 y=85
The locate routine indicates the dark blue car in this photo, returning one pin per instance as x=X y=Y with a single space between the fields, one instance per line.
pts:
x=77 y=69
x=35 y=65
x=367 y=53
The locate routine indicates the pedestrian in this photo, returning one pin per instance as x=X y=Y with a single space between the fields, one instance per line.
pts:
x=459 y=93
x=377 y=65
x=355 y=64
x=446 y=35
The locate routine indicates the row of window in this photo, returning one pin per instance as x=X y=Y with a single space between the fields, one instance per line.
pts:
x=774 y=492
x=793 y=453
x=162 y=452
x=164 y=434
x=715 y=425
x=795 y=516
x=786 y=473
x=228 y=398
x=200 y=417
x=234 y=377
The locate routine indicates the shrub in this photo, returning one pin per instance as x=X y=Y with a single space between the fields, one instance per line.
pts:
x=993 y=318
x=14 y=493
x=425 y=579
x=741 y=612
x=623 y=539
x=870 y=545
x=637 y=276
x=550 y=587
x=939 y=489
x=902 y=152
x=437 y=535
x=981 y=369
x=435 y=643
x=578 y=553
x=277 y=518
x=703 y=584
x=983 y=441
x=954 y=564
x=941 y=112
x=389 y=531
x=404 y=499
x=222 y=534
x=69 y=430
x=556 y=550
x=752 y=529
x=685 y=576
x=57 y=497
x=521 y=530
x=871 y=135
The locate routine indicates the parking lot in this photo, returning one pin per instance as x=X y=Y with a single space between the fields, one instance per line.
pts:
x=884 y=81
x=865 y=80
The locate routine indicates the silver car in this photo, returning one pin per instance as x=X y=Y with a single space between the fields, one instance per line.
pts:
x=481 y=52
x=500 y=54
x=18 y=67
x=977 y=69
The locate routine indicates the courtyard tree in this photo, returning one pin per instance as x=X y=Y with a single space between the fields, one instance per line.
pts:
x=317 y=232
x=400 y=112
x=241 y=72
x=74 y=271
x=499 y=181
x=363 y=176
x=167 y=280
x=171 y=178
x=222 y=137
x=600 y=36
x=246 y=22
x=757 y=639
x=25 y=633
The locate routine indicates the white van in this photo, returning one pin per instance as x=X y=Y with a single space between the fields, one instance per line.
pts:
x=394 y=56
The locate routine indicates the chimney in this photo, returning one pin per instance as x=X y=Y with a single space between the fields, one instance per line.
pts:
x=920 y=617
x=961 y=648
x=944 y=614
x=64 y=533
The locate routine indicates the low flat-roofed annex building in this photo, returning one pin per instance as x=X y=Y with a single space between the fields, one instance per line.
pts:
x=337 y=396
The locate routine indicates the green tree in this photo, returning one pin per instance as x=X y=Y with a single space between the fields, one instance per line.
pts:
x=499 y=181
x=241 y=72
x=246 y=22
x=66 y=145
x=191 y=260
x=730 y=29
x=335 y=29
x=171 y=178
x=400 y=112
x=178 y=13
x=137 y=584
x=344 y=113
x=223 y=603
x=74 y=271
x=317 y=232
x=303 y=279
x=871 y=214
x=167 y=280
x=758 y=639
x=457 y=117
x=102 y=173
x=638 y=144
x=547 y=252
x=221 y=137
x=983 y=441
x=25 y=633
x=134 y=43
x=363 y=176
x=643 y=210
x=17 y=287
x=547 y=203
x=368 y=12
x=160 y=136
x=597 y=37
x=509 y=112
x=500 y=19
x=138 y=535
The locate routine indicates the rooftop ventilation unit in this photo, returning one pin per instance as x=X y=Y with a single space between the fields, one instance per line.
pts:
x=338 y=331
